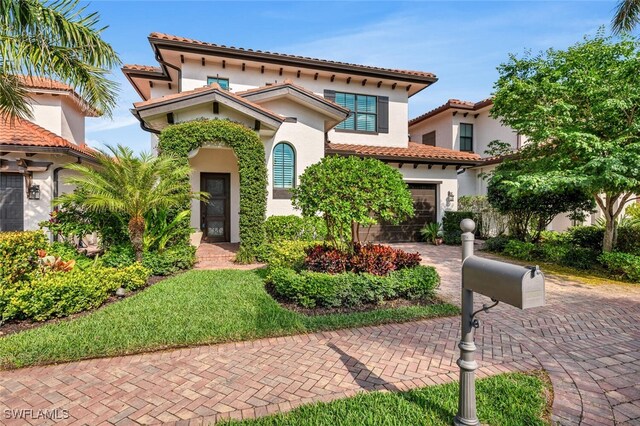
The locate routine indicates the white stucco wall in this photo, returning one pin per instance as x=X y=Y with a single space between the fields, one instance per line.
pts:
x=47 y=112
x=195 y=75
x=72 y=121
x=441 y=124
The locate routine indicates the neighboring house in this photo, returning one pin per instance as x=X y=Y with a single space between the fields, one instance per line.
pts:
x=302 y=109
x=34 y=151
x=467 y=126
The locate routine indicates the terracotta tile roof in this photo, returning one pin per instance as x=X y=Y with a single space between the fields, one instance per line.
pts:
x=452 y=104
x=43 y=83
x=25 y=133
x=169 y=37
x=135 y=67
x=213 y=87
x=289 y=83
x=414 y=151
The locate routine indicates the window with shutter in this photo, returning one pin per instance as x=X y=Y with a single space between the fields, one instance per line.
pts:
x=364 y=112
x=429 y=138
x=284 y=165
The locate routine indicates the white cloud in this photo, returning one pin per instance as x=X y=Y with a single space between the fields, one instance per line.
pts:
x=117 y=122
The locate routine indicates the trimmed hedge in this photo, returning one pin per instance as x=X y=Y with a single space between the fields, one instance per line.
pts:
x=287 y=254
x=59 y=294
x=180 y=139
x=629 y=239
x=174 y=259
x=18 y=254
x=315 y=289
x=295 y=228
x=451 y=232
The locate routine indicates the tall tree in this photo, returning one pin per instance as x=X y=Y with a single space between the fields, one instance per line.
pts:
x=130 y=186
x=55 y=39
x=627 y=16
x=580 y=109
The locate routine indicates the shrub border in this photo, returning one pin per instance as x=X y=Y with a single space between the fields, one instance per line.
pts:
x=180 y=139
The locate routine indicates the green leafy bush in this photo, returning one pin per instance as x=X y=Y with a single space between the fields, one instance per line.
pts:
x=317 y=289
x=118 y=256
x=589 y=237
x=174 y=259
x=580 y=258
x=59 y=294
x=629 y=239
x=287 y=254
x=18 y=257
x=497 y=244
x=68 y=251
x=622 y=265
x=520 y=250
x=451 y=232
x=295 y=228
x=555 y=252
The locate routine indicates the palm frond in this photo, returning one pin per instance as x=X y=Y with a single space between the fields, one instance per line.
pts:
x=627 y=16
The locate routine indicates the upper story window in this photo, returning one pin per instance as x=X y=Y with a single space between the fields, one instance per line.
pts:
x=429 y=138
x=284 y=167
x=466 y=137
x=364 y=112
x=223 y=82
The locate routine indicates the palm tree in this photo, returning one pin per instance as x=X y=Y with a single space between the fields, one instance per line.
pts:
x=130 y=186
x=53 y=39
x=627 y=16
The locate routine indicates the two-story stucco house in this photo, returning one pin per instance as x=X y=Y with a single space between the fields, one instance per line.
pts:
x=302 y=109
x=33 y=152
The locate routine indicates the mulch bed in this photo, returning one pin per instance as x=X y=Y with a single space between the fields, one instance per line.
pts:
x=385 y=304
x=16 y=326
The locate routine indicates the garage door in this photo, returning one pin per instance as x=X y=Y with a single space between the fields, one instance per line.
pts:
x=11 y=202
x=424 y=204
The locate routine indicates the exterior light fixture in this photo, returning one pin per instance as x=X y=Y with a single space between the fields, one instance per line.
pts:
x=34 y=192
x=450 y=199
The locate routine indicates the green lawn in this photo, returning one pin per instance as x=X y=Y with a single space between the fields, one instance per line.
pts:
x=509 y=399
x=197 y=307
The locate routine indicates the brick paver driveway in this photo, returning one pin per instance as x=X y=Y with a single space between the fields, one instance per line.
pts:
x=587 y=338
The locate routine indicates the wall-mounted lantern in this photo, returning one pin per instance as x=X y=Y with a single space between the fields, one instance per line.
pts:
x=450 y=199
x=34 y=192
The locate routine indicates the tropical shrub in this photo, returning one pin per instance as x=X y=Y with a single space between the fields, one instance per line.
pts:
x=628 y=240
x=490 y=222
x=118 y=256
x=315 y=289
x=580 y=258
x=295 y=228
x=497 y=244
x=431 y=232
x=18 y=254
x=622 y=265
x=174 y=259
x=520 y=250
x=375 y=259
x=451 y=232
x=349 y=192
x=589 y=237
x=288 y=254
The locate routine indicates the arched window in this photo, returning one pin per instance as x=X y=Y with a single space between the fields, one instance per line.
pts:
x=284 y=166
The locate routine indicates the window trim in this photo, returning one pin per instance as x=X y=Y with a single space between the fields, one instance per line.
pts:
x=219 y=78
x=460 y=136
x=355 y=120
x=279 y=192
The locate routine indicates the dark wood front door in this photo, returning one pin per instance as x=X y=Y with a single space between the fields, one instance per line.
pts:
x=215 y=211
x=11 y=202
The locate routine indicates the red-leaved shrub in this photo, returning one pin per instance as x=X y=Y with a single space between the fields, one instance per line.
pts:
x=374 y=259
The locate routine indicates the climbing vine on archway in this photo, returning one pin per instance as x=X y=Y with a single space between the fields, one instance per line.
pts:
x=180 y=139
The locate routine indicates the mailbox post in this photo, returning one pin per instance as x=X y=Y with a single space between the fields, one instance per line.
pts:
x=522 y=287
x=467 y=414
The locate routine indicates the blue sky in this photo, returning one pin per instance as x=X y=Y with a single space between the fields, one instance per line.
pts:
x=462 y=42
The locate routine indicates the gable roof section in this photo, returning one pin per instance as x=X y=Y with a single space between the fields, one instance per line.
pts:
x=414 y=152
x=211 y=93
x=287 y=88
x=30 y=137
x=452 y=104
x=36 y=84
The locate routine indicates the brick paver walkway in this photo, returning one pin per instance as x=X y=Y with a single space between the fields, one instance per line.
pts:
x=220 y=256
x=587 y=338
